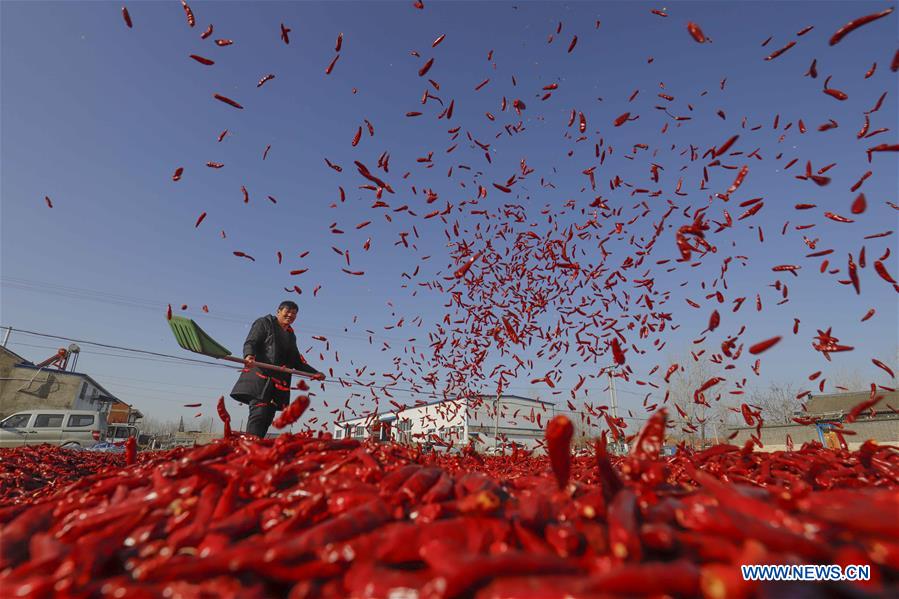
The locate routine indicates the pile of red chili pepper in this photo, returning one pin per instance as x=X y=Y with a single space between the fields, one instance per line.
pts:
x=28 y=473
x=311 y=516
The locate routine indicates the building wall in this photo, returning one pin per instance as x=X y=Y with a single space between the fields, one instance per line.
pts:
x=457 y=421
x=118 y=413
x=446 y=420
x=883 y=431
x=29 y=388
x=497 y=423
x=415 y=425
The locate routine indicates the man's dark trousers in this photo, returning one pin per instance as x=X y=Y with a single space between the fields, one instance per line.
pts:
x=261 y=416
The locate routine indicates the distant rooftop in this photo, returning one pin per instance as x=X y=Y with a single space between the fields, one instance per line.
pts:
x=835 y=404
x=390 y=416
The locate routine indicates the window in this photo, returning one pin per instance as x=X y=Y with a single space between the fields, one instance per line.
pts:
x=359 y=432
x=16 y=421
x=83 y=390
x=120 y=432
x=48 y=421
x=80 y=420
x=338 y=434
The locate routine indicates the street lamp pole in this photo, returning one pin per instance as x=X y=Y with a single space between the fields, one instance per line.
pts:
x=496 y=422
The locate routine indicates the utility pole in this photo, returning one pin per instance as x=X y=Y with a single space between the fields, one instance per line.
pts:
x=613 y=397
x=496 y=422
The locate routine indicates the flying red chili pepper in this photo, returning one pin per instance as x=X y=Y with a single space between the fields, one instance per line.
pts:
x=227 y=100
x=855 y=24
x=127 y=17
x=881 y=270
x=617 y=354
x=189 y=14
x=202 y=60
x=838 y=218
x=621 y=119
x=293 y=412
x=777 y=53
x=460 y=272
x=883 y=367
x=764 y=345
x=696 y=32
x=427 y=67
x=331 y=65
x=224 y=415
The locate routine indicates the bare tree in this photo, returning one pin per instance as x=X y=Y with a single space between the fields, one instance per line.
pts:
x=778 y=402
x=205 y=425
x=848 y=380
x=154 y=426
x=703 y=422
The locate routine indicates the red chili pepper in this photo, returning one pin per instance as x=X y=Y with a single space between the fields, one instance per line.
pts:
x=202 y=60
x=624 y=539
x=855 y=24
x=696 y=33
x=764 y=345
x=227 y=100
x=293 y=412
x=777 y=53
x=559 y=431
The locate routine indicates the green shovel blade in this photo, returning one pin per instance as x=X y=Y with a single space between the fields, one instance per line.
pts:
x=192 y=338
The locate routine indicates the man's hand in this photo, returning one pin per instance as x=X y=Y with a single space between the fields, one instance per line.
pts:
x=318 y=376
x=249 y=361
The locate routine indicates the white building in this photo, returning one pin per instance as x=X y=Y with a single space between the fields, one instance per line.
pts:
x=488 y=421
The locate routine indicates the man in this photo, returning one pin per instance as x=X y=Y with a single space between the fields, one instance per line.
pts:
x=271 y=339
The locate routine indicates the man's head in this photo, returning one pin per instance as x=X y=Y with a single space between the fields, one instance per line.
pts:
x=287 y=313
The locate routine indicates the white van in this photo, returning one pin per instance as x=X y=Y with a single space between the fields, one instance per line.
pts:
x=68 y=428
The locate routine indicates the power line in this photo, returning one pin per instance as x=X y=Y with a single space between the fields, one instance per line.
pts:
x=172 y=362
x=118 y=347
x=153 y=305
x=340 y=381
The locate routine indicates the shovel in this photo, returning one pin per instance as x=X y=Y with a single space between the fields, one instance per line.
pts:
x=192 y=338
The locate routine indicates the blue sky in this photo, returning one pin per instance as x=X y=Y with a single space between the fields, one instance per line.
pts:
x=98 y=117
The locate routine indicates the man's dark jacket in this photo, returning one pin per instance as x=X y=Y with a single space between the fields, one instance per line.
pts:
x=271 y=344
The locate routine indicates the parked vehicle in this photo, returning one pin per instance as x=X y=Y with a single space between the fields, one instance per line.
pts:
x=119 y=433
x=67 y=428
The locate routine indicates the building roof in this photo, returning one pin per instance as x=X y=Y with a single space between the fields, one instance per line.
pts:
x=106 y=395
x=20 y=359
x=837 y=404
